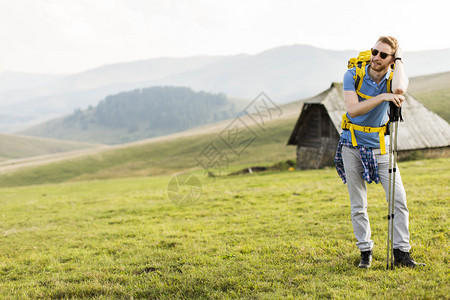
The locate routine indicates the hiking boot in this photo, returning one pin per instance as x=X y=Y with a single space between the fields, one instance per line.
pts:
x=366 y=259
x=404 y=259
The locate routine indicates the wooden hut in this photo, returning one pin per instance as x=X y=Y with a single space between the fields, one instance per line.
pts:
x=316 y=133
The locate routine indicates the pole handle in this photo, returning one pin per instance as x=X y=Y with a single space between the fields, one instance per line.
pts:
x=395 y=113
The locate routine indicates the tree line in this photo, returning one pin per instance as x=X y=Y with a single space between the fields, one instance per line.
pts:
x=156 y=109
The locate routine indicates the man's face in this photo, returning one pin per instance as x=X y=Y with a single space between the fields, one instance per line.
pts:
x=376 y=62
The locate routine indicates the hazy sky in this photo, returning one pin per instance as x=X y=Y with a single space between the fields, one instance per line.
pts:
x=68 y=36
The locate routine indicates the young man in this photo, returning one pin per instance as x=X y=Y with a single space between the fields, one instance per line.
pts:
x=365 y=162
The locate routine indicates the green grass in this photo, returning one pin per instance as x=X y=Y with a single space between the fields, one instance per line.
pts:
x=437 y=101
x=261 y=236
x=433 y=92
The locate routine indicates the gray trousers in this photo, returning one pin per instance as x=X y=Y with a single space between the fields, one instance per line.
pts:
x=358 y=197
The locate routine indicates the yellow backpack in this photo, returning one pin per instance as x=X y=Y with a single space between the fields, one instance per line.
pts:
x=360 y=63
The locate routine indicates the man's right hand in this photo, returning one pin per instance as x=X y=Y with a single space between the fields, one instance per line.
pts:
x=396 y=99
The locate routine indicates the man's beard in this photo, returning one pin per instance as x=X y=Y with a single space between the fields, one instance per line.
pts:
x=378 y=66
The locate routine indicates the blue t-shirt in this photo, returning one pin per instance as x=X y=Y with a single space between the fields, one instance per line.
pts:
x=376 y=117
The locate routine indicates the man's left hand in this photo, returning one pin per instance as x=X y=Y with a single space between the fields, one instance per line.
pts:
x=398 y=53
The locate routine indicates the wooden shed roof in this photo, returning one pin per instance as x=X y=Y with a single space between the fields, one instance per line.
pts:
x=421 y=129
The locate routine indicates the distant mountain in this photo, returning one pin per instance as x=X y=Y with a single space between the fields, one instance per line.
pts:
x=11 y=81
x=139 y=114
x=285 y=74
x=88 y=88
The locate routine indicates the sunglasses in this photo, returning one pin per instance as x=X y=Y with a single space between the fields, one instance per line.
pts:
x=383 y=55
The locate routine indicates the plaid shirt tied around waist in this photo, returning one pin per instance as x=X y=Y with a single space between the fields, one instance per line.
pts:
x=368 y=160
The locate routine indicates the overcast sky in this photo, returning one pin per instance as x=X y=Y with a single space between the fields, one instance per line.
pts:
x=68 y=36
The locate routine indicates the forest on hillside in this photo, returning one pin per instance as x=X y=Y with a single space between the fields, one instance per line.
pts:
x=155 y=109
x=139 y=114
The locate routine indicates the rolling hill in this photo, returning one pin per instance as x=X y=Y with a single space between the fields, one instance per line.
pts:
x=167 y=154
x=17 y=146
x=434 y=92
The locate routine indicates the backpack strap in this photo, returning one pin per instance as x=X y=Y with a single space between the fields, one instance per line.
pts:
x=389 y=82
x=361 y=72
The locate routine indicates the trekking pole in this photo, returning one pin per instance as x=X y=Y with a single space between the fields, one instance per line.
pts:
x=394 y=117
x=394 y=170
x=388 y=250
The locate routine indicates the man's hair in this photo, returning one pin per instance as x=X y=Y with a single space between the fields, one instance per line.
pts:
x=390 y=40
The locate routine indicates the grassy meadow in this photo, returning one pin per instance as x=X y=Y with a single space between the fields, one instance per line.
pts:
x=102 y=226
x=258 y=236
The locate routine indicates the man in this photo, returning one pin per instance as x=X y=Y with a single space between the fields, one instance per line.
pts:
x=367 y=161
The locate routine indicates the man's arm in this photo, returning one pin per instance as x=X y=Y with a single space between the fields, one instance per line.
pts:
x=356 y=108
x=399 y=79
